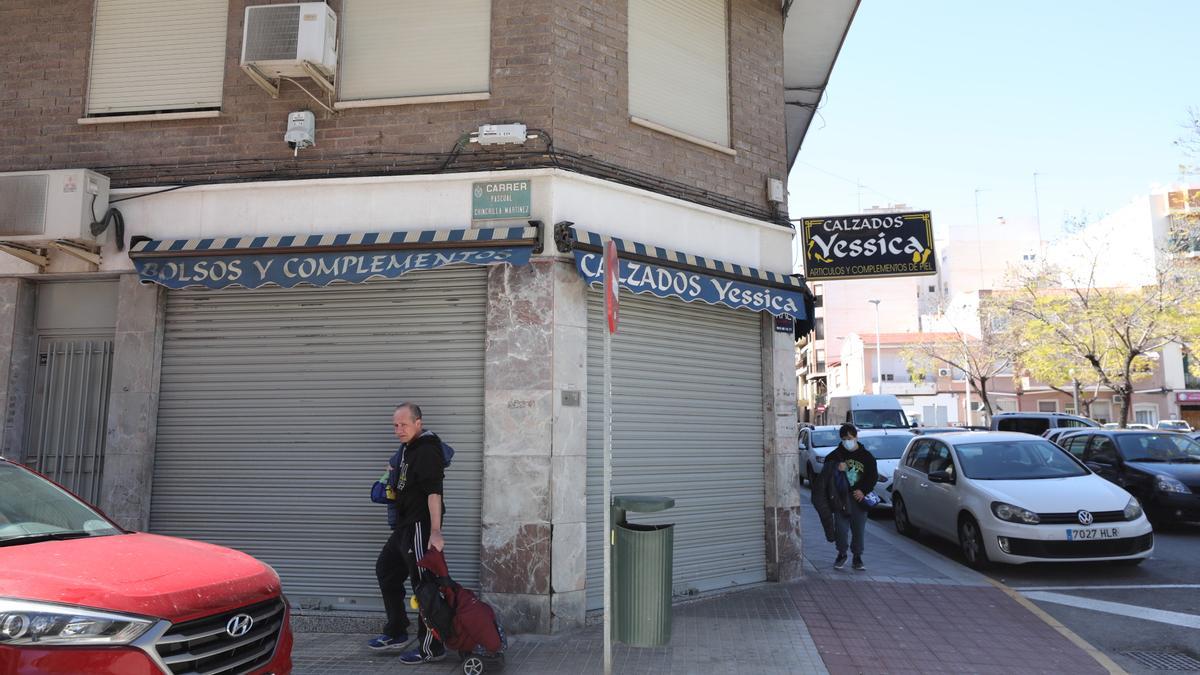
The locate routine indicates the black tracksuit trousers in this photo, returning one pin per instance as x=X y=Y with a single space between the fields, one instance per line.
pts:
x=397 y=562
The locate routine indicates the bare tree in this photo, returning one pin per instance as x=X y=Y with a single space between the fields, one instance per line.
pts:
x=981 y=359
x=1115 y=332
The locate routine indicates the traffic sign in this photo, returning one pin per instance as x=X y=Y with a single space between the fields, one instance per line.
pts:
x=612 y=267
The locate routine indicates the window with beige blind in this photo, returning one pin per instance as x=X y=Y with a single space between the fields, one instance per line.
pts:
x=395 y=51
x=679 y=68
x=157 y=56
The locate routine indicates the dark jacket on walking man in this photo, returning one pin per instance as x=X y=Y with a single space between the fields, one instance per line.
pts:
x=849 y=475
x=414 y=487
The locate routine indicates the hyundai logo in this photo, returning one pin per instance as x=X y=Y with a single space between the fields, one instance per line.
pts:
x=242 y=623
x=1085 y=517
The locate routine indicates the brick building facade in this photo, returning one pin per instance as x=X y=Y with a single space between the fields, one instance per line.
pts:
x=255 y=414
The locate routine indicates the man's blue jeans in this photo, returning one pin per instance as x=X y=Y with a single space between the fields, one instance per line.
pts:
x=853 y=523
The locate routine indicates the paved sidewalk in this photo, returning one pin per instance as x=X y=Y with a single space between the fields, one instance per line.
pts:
x=758 y=630
x=913 y=611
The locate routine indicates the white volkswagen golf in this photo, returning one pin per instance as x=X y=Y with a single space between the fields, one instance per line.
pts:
x=1015 y=498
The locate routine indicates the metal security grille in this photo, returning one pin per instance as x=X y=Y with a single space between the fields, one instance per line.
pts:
x=272 y=33
x=1174 y=661
x=688 y=424
x=275 y=418
x=69 y=415
x=24 y=199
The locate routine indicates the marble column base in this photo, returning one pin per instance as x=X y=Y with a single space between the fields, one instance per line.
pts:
x=784 y=544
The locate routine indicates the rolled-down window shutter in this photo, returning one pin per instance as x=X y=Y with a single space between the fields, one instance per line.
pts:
x=679 y=66
x=157 y=55
x=392 y=49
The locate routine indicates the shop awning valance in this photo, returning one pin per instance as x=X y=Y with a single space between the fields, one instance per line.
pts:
x=665 y=273
x=321 y=259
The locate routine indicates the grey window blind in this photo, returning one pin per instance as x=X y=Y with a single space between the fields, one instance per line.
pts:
x=679 y=66
x=157 y=55
x=400 y=49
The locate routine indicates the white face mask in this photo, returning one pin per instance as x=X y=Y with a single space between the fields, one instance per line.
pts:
x=851 y=444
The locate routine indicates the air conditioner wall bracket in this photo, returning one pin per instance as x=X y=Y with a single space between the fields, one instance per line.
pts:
x=261 y=80
x=32 y=255
x=85 y=251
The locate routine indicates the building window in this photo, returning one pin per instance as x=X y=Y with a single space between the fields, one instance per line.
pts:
x=398 y=50
x=1047 y=406
x=1190 y=381
x=157 y=57
x=679 y=67
x=1146 y=414
x=819 y=328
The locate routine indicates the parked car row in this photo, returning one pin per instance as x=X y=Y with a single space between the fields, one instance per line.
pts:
x=1016 y=497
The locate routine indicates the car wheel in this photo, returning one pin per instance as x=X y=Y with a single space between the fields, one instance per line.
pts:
x=812 y=477
x=900 y=515
x=970 y=541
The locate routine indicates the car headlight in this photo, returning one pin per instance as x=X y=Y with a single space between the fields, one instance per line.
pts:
x=24 y=622
x=881 y=479
x=1133 y=510
x=1169 y=484
x=1014 y=514
x=820 y=459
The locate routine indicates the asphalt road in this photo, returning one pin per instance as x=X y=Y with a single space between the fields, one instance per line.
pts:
x=1151 y=608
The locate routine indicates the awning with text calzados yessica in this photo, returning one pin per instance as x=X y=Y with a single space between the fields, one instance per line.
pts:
x=665 y=273
x=322 y=259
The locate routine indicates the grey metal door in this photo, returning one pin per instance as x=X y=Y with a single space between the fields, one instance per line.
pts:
x=275 y=418
x=65 y=436
x=688 y=424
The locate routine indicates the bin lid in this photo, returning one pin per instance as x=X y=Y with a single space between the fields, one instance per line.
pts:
x=643 y=503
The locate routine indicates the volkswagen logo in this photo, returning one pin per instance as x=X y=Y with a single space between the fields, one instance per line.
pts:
x=1085 y=517
x=241 y=624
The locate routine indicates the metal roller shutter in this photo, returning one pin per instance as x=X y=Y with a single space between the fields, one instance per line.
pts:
x=275 y=417
x=688 y=424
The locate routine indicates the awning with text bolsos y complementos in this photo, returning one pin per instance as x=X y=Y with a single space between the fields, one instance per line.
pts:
x=322 y=259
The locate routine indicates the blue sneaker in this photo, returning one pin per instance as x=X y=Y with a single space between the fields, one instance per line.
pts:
x=415 y=658
x=387 y=643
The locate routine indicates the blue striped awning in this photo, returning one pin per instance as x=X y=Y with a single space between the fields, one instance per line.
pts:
x=666 y=273
x=321 y=259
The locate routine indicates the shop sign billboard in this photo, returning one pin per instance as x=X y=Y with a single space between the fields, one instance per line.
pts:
x=868 y=246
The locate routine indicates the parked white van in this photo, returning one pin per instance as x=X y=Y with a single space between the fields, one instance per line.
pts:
x=867 y=411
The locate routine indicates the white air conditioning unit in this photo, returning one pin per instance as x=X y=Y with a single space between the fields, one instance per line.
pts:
x=280 y=40
x=1118 y=399
x=45 y=206
x=943 y=372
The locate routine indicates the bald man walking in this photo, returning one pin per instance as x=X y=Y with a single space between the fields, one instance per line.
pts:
x=415 y=477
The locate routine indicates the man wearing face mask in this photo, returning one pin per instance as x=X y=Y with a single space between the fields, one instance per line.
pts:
x=849 y=476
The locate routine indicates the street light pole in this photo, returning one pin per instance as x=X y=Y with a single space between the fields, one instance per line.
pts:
x=979 y=237
x=878 y=355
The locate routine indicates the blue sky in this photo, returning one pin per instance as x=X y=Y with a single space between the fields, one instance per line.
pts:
x=930 y=101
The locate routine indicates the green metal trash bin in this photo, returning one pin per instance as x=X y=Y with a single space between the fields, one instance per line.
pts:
x=642 y=577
